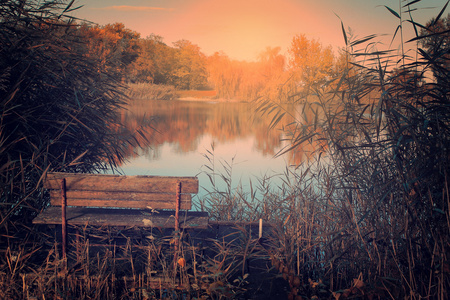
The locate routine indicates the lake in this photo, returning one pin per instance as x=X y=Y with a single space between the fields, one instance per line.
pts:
x=199 y=138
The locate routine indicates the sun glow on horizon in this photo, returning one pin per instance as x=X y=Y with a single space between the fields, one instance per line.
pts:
x=242 y=29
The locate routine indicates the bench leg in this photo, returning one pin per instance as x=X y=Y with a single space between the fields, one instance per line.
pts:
x=177 y=228
x=63 y=218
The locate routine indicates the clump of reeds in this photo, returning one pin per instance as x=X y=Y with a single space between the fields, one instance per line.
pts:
x=148 y=91
x=59 y=105
x=123 y=263
x=368 y=215
x=58 y=112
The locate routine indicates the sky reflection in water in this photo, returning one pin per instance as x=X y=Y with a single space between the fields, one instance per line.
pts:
x=185 y=132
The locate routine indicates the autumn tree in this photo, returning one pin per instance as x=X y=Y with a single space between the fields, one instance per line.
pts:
x=244 y=80
x=155 y=62
x=310 y=62
x=115 y=45
x=189 y=66
x=222 y=75
x=275 y=76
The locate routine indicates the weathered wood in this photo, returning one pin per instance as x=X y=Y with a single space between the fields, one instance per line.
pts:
x=120 y=183
x=64 y=217
x=120 y=199
x=122 y=217
x=114 y=200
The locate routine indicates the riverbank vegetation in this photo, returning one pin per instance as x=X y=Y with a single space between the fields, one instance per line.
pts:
x=365 y=215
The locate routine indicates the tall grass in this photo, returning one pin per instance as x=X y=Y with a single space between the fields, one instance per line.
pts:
x=124 y=263
x=151 y=91
x=366 y=217
x=372 y=217
x=58 y=106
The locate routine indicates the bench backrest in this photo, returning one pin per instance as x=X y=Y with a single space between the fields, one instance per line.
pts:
x=100 y=190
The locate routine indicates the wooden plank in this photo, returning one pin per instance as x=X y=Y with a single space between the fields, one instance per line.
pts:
x=120 y=199
x=122 y=217
x=121 y=183
x=125 y=204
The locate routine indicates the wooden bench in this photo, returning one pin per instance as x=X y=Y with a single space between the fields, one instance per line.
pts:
x=116 y=200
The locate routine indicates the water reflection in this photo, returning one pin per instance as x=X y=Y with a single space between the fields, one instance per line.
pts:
x=183 y=132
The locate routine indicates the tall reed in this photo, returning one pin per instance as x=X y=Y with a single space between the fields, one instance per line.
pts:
x=371 y=218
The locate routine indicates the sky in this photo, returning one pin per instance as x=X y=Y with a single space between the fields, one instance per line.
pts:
x=242 y=29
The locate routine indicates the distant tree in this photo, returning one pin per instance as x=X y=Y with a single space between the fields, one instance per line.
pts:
x=436 y=43
x=221 y=75
x=155 y=62
x=273 y=62
x=274 y=75
x=115 y=45
x=190 y=66
x=310 y=61
x=234 y=79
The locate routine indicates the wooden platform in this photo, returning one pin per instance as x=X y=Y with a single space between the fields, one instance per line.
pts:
x=123 y=217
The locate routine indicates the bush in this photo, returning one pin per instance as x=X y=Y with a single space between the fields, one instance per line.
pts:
x=58 y=104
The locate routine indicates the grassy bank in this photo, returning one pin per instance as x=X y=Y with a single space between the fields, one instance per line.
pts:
x=148 y=91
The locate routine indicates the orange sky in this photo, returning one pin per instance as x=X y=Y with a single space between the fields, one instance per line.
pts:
x=244 y=28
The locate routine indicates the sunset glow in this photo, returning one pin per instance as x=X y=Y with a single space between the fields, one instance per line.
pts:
x=242 y=29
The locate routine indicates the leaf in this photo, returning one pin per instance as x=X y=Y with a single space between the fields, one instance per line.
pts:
x=428 y=35
x=147 y=222
x=417 y=24
x=365 y=39
x=344 y=33
x=75 y=161
x=68 y=6
x=411 y=3
x=395 y=33
x=440 y=14
x=439 y=210
x=393 y=12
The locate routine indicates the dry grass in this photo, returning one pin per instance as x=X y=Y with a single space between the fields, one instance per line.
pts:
x=366 y=217
x=149 y=91
x=196 y=94
x=124 y=263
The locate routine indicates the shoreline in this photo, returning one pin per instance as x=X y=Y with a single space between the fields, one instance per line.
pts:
x=197 y=99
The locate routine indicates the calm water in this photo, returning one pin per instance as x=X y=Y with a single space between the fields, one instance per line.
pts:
x=184 y=132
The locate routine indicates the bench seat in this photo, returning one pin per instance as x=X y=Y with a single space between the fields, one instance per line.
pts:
x=122 y=217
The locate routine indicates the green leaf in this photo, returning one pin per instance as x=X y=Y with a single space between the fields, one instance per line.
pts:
x=440 y=14
x=439 y=210
x=344 y=33
x=393 y=12
x=395 y=33
x=365 y=39
x=411 y=3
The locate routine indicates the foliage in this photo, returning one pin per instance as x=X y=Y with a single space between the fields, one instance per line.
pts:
x=155 y=62
x=373 y=205
x=59 y=99
x=118 y=263
x=434 y=38
x=246 y=81
x=311 y=63
x=189 y=72
x=114 y=45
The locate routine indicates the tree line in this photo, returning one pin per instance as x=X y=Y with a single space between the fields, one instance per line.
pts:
x=184 y=66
